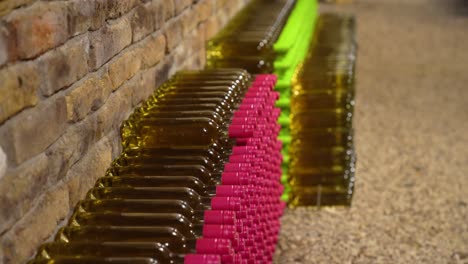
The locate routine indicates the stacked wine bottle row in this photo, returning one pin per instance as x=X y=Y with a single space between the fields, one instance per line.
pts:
x=197 y=181
x=254 y=168
x=291 y=48
x=248 y=39
x=268 y=36
x=322 y=103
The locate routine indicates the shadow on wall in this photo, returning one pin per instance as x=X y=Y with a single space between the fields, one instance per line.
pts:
x=456 y=7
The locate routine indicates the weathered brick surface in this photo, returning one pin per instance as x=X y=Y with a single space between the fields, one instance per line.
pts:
x=3 y=45
x=174 y=32
x=85 y=15
x=39 y=28
x=124 y=67
x=204 y=9
x=108 y=41
x=189 y=20
x=163 y=10
x=116 y=109
x=82 y=176
x=19 y=85
x=142 y=21
x=152 y=50
x=3 y=163
x=33 y=131
x=63 y=66
x=88 y=95
x=19 y=189
x=180 y=5
x=117 y=8
x=71 y=72
x=147 y=83
x=73 y=145
x=8 y=5
x=36 y=226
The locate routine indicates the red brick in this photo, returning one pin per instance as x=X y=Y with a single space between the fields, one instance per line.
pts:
x=39 y=28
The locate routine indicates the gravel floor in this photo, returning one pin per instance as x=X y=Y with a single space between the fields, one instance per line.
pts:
x=411 y=200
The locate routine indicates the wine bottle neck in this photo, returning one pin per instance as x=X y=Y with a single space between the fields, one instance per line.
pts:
x=199 y=215
x=210 y=190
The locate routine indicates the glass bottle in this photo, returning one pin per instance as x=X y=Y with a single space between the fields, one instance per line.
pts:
x=200 y=172
x=172 y=160
x=170 y=193
x=166 y=132
x=157 y=181
x=83 y=250
x=322 y=118
x=170 y=237
x=94 y=260
x=139 y=206
x=211 y=152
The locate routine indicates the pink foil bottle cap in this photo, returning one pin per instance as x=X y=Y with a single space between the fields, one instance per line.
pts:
x=257 y=94
x=259 y=87
x=236 y=178
x=238 y=150
x=246 y=113
x=220 y=231
x=241 y=131
x=275 y=95
x=264 y=83
x=230 y=191
x=231 y=259
x=266 y=76
x=249 y=158
x=237 y=167
x=244 y=121
x=213 y=246
x=254 y=100
x=202 y=259
x=220 y=217
x=226 y=203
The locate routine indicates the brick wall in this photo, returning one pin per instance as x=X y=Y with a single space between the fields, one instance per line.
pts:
x=70 y=73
